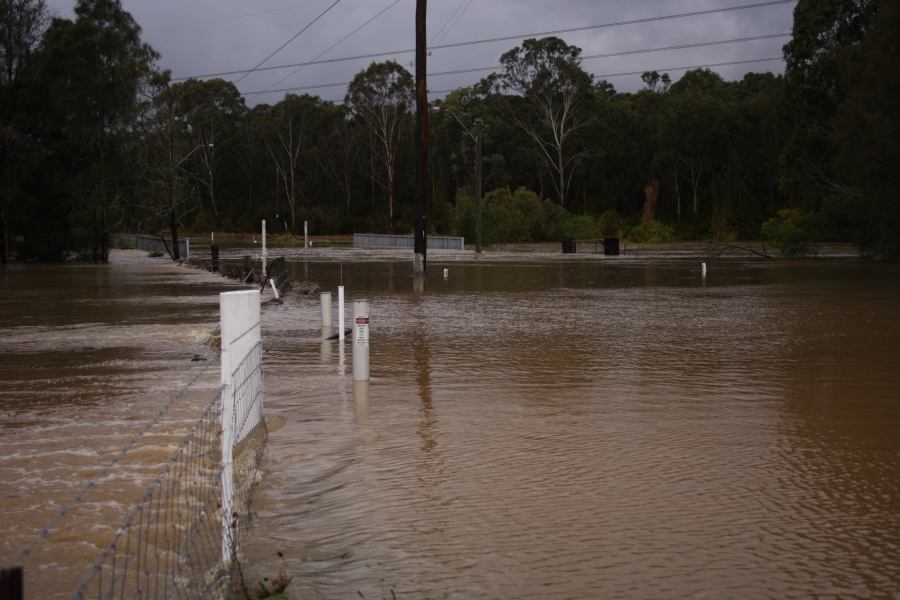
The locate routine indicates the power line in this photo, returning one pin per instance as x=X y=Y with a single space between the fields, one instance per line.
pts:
x=591 y=57
x=337 y=43
x=447 y=22
x=293 y=37
x=452 y=21
x=503 y=38
x=234 y=17
x=641 y=72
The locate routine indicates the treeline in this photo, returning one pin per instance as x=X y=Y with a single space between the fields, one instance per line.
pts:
x=95 y=138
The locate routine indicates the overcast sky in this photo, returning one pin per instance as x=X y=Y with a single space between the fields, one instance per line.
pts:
x=196 y=37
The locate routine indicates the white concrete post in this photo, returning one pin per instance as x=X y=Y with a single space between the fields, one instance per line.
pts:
x=341 y=313
x=265 y=256
x=305 y=234
x=325 y=299
x=360 y=340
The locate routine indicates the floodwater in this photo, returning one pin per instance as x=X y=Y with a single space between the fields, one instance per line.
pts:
x=536 y=426
x=551 y=427
x=89 y=355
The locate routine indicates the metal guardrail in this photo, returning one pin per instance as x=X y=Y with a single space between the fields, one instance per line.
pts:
x=377 y=240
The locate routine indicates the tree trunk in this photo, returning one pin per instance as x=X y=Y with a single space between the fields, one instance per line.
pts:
x=4 y=238
x=173 y=227
x=104 y=235
x=677 y=195
x=561 y=167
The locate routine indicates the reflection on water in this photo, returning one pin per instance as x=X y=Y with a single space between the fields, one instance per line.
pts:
x=589 y=429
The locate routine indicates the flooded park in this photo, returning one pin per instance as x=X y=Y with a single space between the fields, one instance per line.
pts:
x=536 y=425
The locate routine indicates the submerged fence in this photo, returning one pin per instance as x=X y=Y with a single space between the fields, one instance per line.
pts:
x=153 y=243
x=434 y=242
x=183 y=538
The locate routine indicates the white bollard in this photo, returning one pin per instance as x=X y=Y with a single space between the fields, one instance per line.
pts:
x=274 y=288
x=360 y=340
x=325 y=299
x=305 y=234
x=264 y=253
x=341 y=313
x=446 y=273
x=703 y=270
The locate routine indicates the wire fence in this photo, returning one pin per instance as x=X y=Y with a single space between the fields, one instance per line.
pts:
x=183 y=538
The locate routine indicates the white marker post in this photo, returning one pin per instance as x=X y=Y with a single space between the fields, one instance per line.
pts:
x=264 y=253
x=703 y=271
x=446 y=273
x=305 y=234
x=274 y=289
x=360 y=340
x=325 y=299
x=341 y=313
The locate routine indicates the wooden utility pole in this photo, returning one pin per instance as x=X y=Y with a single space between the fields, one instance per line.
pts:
x=421 y=209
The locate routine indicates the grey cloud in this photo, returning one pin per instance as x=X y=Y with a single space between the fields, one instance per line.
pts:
x=230 y=44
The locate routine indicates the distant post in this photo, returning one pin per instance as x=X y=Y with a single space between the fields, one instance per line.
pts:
x=420 y=265
x=477 y=185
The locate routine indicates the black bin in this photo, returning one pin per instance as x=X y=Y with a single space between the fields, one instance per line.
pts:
x=611 y=246
x=568 y=246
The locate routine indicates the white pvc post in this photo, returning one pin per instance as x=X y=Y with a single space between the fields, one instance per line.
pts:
x=341 y=313
x=325 y=299
x=305 y=234
x=360 y=340
x=239 y=314
x=264 y=253
x=703 y=270
x=187 y=249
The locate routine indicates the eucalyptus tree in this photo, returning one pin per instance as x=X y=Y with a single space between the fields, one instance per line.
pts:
x=823 y=31
x=546 y=73
x=867 y=133
x=290 y=136
x=381 y=97
x=22 y=24
x=212 y=110
x=169 y=197
x=93 y=71
x=339 y=154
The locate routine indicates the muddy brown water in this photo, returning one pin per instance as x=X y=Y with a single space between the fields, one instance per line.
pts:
x=551 y=427
x=535 y=426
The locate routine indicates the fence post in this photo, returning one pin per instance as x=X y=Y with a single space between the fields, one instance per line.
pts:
x=239 y=314
x=12 y=586
x=341 y=313
x=265 y=266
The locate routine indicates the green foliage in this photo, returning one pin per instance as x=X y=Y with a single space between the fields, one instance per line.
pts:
x=520 y=216
x=793 y=232
x=580 y=227
x=653 y=232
